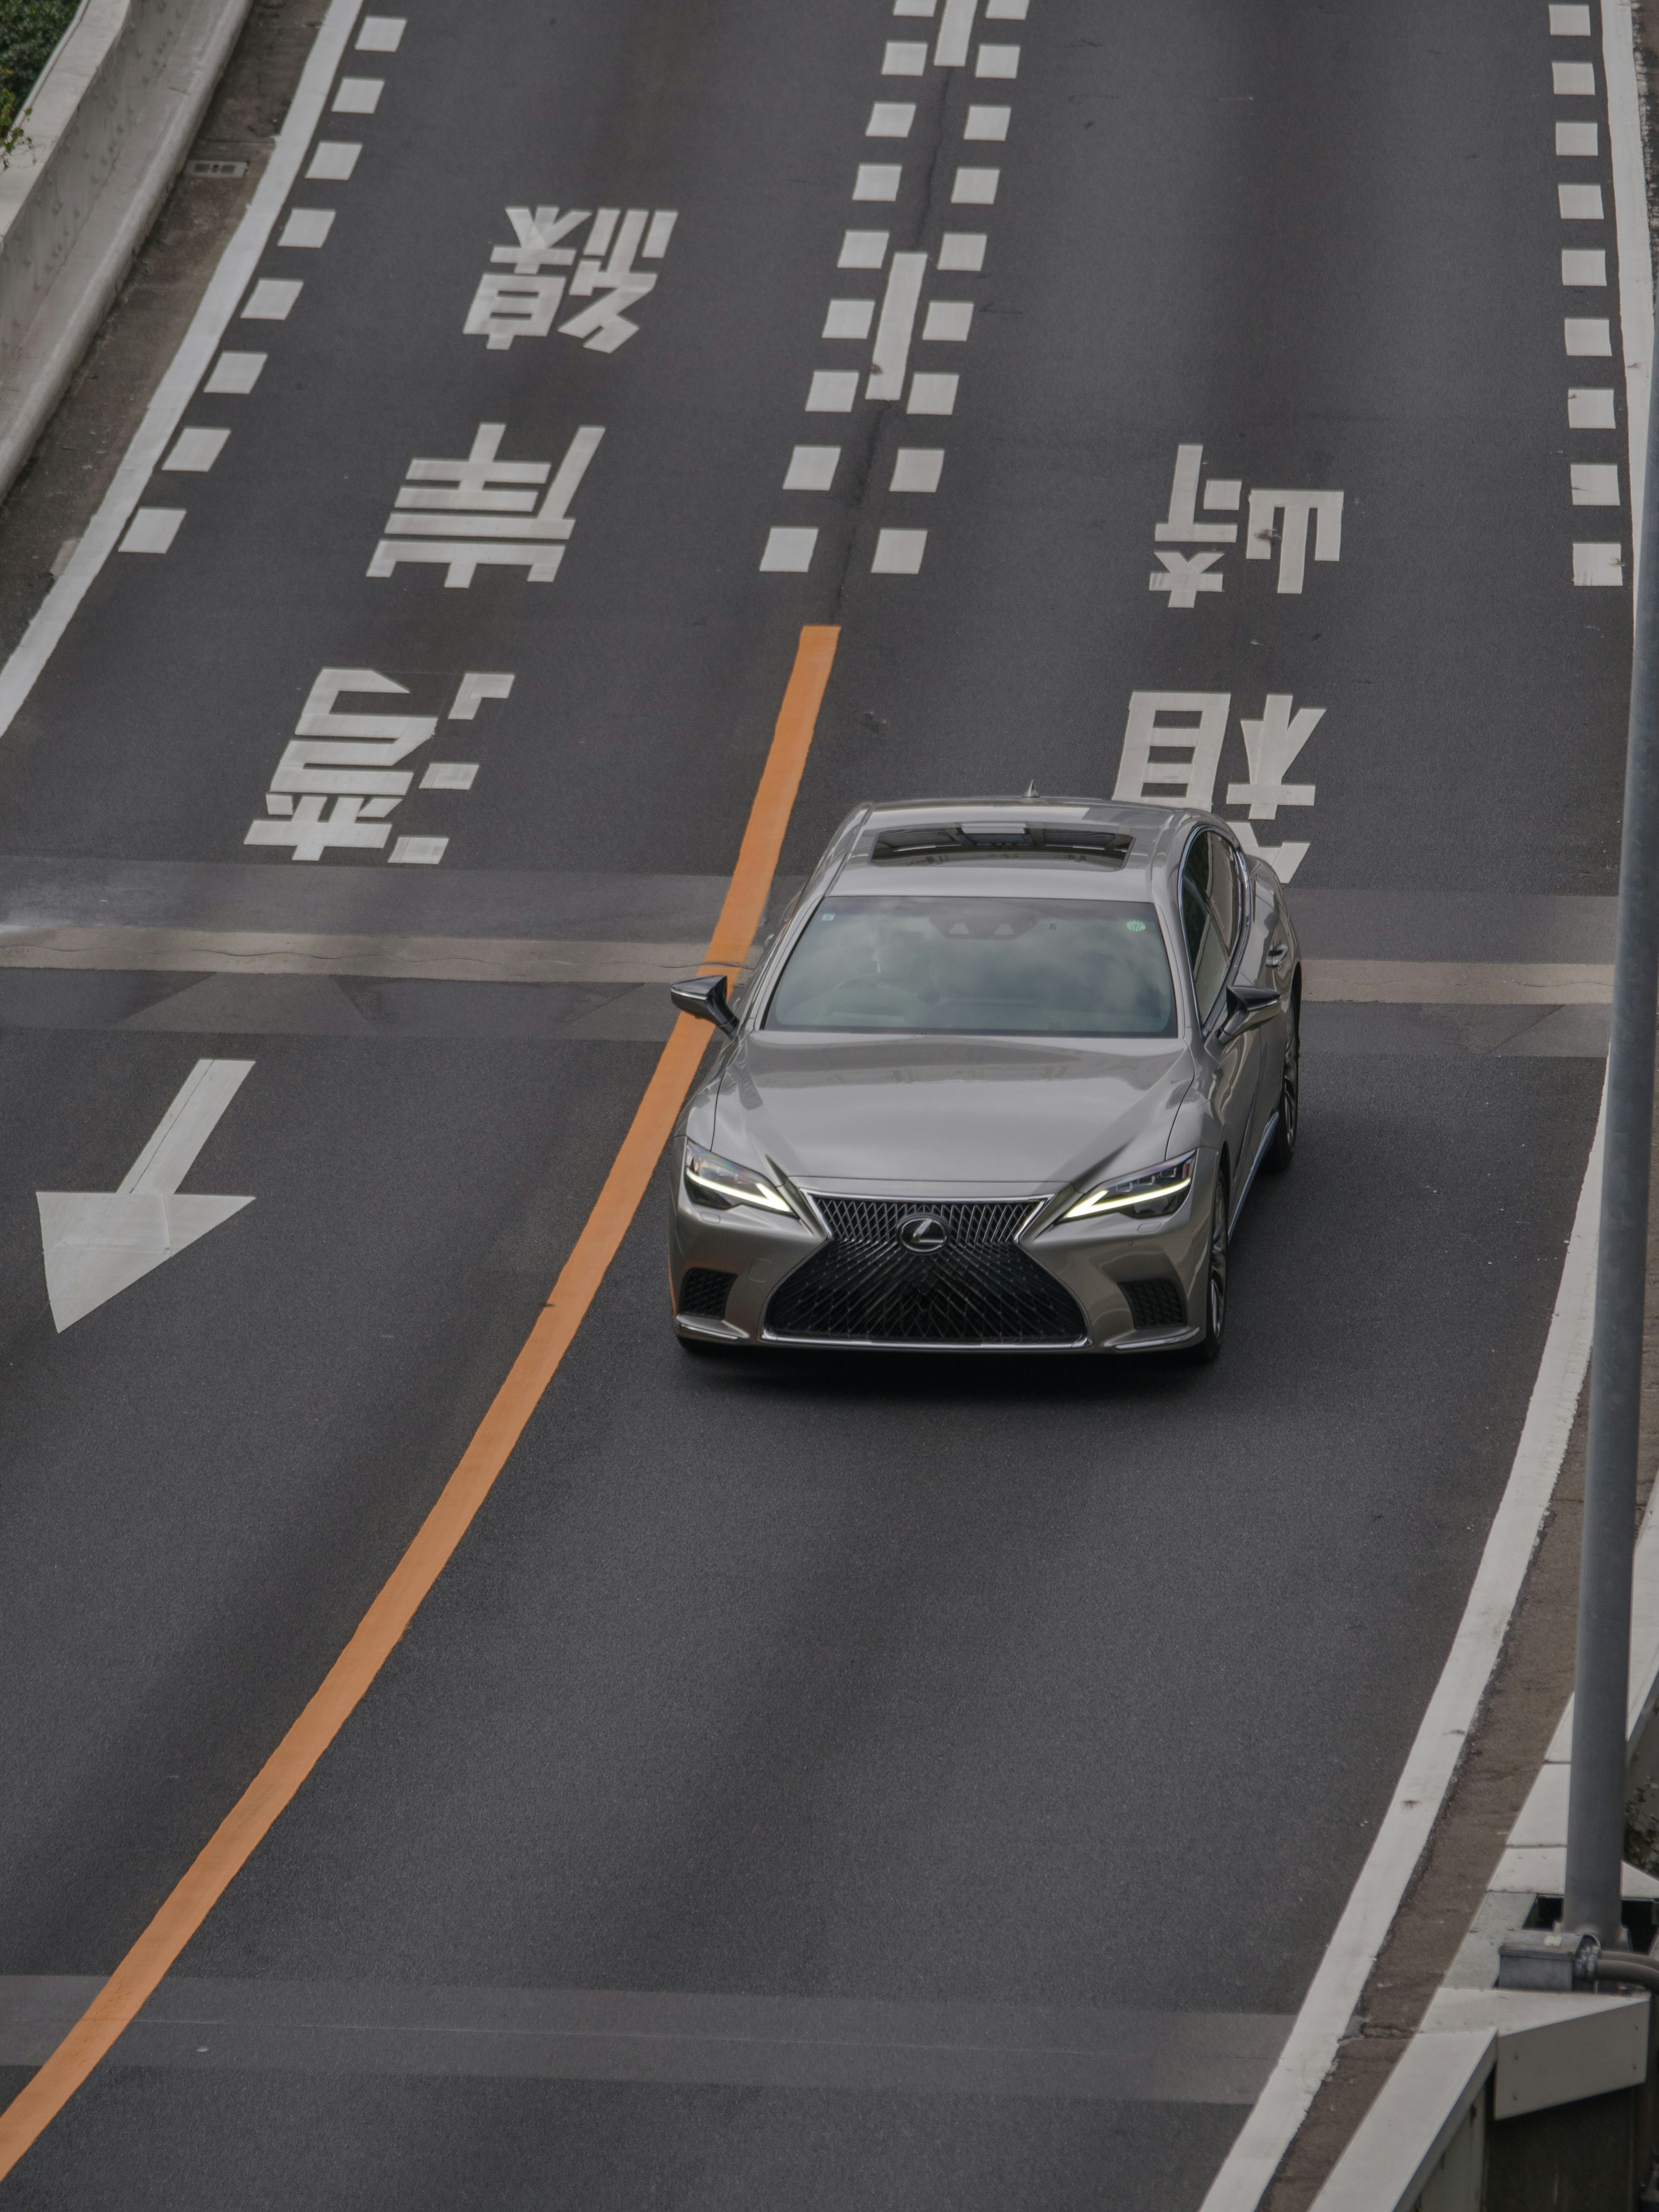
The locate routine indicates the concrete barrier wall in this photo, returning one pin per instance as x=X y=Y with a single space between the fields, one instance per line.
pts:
x=108 y=123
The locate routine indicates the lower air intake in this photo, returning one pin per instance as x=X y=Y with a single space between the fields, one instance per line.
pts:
x=912 y=1272
x=703 y=1293
x=1155 y=1304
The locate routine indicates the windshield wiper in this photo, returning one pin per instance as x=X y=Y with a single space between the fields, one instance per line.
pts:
x=990 y=840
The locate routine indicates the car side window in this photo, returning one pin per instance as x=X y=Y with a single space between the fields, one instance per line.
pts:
x=1206 y=948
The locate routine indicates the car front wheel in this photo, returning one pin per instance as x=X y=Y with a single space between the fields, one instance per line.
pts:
x=1282 y=1150
x=1215 y=1284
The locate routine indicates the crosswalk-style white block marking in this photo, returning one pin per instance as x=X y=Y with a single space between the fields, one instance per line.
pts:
x=789 y=552
x=1588 y=334
x=1573 y=80
x=902 y=57
x=877 y=180
x=974 y=187
x=1007 y=11
x=963 y=250
x=812 y=468
x=913 y=6
x=1569 y=22
x=890 y=118
x=1598 y=564
x=381 y=34
x=418 y=851
x=1595 y=483
x=848 y=319
x=933 y=395
x=834 y=391
x=196 y=451
x=863 y=249
x=359 y=95
x=235 y=372
x=997 y=61
x=898 y=553
x=948 y=320
x=1590 y=408
x=987 y=123
x=917 y=468
x=1579 y=141
x=308 y=227
x=1581 y=268
x=272 y=299
x=333 y=161
x=1579 y=202
x=152 y=530
x=449 y=775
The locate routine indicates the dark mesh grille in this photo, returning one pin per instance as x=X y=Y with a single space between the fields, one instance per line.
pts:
x=979 y=1288
x=703 y=1293
x=1155 y=1304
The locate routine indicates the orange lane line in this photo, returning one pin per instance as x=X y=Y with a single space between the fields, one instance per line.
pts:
x=233 y=1843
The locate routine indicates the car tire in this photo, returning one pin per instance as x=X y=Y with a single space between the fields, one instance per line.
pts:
x=1282 y=1150
x=1215 y=1280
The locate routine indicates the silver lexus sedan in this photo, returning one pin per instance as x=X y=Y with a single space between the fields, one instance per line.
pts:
x=1001 y=1082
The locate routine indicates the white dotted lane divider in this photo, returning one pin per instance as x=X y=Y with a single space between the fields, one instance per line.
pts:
x=893 y=326
x=1590 y=407
x=272 y=299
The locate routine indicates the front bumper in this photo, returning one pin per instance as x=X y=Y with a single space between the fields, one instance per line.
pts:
x=1138 y=1285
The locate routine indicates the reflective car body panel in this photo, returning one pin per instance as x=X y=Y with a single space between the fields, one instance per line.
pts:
x=861 y=1130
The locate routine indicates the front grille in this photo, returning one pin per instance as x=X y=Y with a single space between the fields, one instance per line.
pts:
x=978 y=1288
x=704 y=1292
x=1155 y=1304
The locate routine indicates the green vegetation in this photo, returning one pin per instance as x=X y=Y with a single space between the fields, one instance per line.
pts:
x=29 y=29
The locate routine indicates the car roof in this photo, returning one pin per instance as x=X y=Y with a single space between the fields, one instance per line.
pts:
x=1156 y=835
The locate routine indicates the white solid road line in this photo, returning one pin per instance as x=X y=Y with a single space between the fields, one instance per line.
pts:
x=178 y=387
x=1455 y=982
x=96 y=1243
x=1404 y=1833
x=275 y=952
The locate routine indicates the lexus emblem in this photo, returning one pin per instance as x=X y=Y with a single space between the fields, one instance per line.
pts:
x=921 y=1232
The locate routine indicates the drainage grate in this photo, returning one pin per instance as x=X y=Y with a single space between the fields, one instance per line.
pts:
x=704 y=1292
x=976 y=1287
x=1157 y=1303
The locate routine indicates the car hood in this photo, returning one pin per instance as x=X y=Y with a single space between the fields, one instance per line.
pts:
x=935 y=1115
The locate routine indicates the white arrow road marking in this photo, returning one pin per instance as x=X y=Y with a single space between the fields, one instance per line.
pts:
x=97 y=1242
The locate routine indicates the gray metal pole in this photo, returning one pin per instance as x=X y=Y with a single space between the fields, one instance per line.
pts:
x=1595 y=1802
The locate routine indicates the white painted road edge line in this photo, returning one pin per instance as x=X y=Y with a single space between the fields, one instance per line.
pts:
x=189 y=364
x=1630 y=200
x=1331 y=2001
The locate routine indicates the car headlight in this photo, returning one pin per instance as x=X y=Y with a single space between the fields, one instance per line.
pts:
x=716 y=1182
x=1153 y=1191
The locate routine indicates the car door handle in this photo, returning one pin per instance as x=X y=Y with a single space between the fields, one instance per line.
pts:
x=1276 y=954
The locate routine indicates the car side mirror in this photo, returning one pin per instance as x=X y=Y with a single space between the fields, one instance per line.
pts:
x=1248 y=1006
x=704 y=996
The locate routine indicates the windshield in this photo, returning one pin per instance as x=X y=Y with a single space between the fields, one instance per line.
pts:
x=979 y=966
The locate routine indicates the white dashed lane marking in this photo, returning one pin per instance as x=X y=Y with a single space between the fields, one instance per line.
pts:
x=272 y=299
x=333 y=161
x=308 y=227
x=152 y=530
x=236 y=373
x=196 y=451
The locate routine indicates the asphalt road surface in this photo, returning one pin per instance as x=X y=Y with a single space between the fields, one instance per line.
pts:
x=845 y=1783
